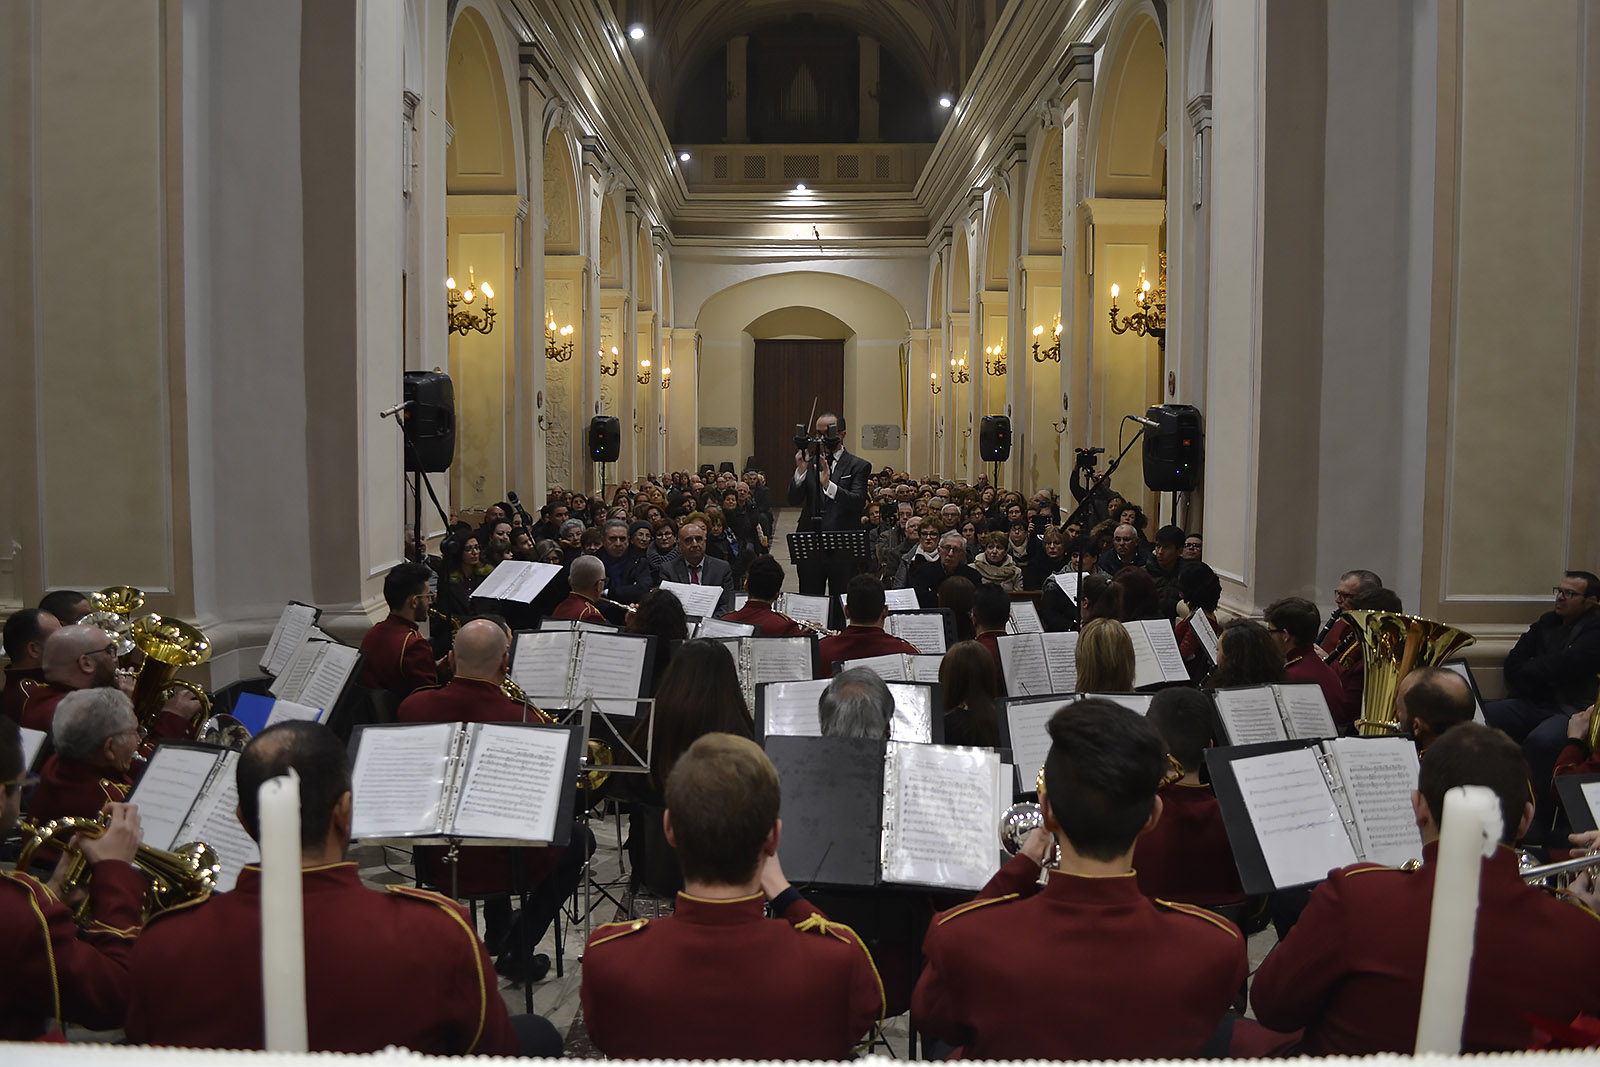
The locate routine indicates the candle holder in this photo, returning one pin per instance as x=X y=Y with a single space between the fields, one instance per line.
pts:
x=1053 y=353
x=643 y=377
x=958 y=371
x=466 y=320
x=933 y=383
x=995 y=360
x=1151 y=318
x=666 y=381
x=612 y=367
x=557 y=343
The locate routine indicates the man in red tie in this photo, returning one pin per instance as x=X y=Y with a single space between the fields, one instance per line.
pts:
x=694 y=567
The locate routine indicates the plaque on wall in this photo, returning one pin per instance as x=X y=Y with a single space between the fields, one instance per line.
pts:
x=880 y=438
x=719 y=436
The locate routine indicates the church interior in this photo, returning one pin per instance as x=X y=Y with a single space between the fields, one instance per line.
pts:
x=230 y=227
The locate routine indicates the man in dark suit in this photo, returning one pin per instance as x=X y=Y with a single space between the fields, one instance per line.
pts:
x=694 y=567
x=831 y=492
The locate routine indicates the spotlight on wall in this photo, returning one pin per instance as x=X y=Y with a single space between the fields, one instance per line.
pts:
x=636 y=32
x=945 y=101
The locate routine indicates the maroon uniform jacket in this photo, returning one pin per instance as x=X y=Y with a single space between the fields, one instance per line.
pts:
x=578 y=607
x=1195 y=656
x=719 y=980
x=1350 y=972
x=68 y=787
x=1186 y=855
x=768 y=623
x=39 y=706
x=1087 y=968
x=1353 y=679
x=859 y=642
x=989 y=639
x=51 y=974
x=19 y=681
x=396 y=657
x=479 y=870
x=402 y=967
x=1304 y=665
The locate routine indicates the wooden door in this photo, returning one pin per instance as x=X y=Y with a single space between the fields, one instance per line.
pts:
x=788 y=375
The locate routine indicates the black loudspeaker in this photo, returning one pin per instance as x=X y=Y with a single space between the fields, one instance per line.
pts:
x=605 y=438
x=430 y=421
x=1173 y=449
x=994 y=438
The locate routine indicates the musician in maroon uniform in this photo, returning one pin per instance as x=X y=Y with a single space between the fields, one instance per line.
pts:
x=395 y=967
x=52 y=975
x=718 y=979
x=1186 y=856
x=1350 y=971
x=394 y=654
x=95 y=737
x=763 y=581
x=75 y=657
x=865 y=610
x=587 y=578
x=25 y=634
x=1087 y=967
x=1292 y=621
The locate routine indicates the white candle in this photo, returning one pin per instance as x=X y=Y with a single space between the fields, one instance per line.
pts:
x=283 y=945
x=1469 y=833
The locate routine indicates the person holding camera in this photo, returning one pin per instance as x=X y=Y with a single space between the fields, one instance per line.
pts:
x=1098 y=490
x=830 y=486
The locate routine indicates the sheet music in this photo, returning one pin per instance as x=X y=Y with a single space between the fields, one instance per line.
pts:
x=899 y=600
x=739 y=600
x=611 y=665
x=1379 y=775
x=1203 y=630
x=1024 y=618
x=913 y=713
x=781 y=659
x=711 y=626
x=697 y=600
x=514 y=783
x=293 y=679
x=925 y=629
x=398 y=780
x=1156 y=658
x=327 y=679
x=1591 y=796
x=940 y=812
x=1138 y=703
x=790 y=708
x=215 y=820
x=167 y=792
x=924 y=668
x=1294 y=816
x=891 y=668
x=517 y=581
x=1306 y=710
x=1061 y=660
x=1022 y=660
x=1250 y=715
x=1068 y=581
x=289 y=711
x=1028 y=723
x=541 y=664
x=32 y=744
x=802 y=608
x=287 y=635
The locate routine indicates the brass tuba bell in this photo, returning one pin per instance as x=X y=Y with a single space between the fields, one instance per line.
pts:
x=1392 y=646
x=168 y=646
x=189 y=873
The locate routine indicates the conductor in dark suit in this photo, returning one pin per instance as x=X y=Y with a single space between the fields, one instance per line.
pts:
x=831 y=489
x=693 y=567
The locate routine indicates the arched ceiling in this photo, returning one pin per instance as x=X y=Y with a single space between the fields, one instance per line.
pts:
x=919 y=34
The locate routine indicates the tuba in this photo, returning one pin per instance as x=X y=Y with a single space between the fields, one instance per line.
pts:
x=168 y=646
x=1392 y=646
x=187 y=874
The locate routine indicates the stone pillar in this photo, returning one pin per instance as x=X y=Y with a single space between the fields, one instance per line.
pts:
x=531 y=454
x=868 y=129
x=737 y=91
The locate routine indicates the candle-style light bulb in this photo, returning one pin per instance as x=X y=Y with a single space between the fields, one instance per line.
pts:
x=613 y=350
x=488 y=293
x=666 y=372
x=644 y=364
x=1058 y=327
x=449 y=283
x=466 y=297
x=552 y=326
x=1114 y=291
x=1038 y=331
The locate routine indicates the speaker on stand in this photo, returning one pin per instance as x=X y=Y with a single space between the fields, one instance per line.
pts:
x=1173 y=450
x=994 y=442
x=605 y=443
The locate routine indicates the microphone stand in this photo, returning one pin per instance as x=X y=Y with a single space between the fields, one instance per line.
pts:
x=1111 y=469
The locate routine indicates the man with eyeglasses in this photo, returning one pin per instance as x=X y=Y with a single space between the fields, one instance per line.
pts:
x=395 y=656
x=95 y=737
x=75 y=657
x=1551 y=674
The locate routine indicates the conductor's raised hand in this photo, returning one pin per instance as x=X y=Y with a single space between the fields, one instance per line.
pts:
x=121 y=840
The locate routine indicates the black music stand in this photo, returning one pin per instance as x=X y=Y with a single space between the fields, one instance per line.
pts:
x=841 y=554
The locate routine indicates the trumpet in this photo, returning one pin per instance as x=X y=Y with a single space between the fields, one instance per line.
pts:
x=1557 y=875
x=1021 y=819
x=185 y=874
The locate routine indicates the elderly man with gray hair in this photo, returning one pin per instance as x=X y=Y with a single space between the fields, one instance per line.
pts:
x=95 y=737
x=857 y=703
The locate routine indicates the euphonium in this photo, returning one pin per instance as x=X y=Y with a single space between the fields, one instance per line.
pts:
x=1392 y=646
x=513 y=691
x=168 y=646
x=1021 y=819
x=189 y=873
x=599 y=754
x=121 y=600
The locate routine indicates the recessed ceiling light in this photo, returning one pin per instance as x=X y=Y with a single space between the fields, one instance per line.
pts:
x=944 y=101
x=683 y=157
x=636 y=32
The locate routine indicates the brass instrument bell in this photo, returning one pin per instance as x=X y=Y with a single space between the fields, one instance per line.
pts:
x=1392 y=646
x=187 y=873
x=121 y=600
x=1021 y=819
x=168 y=646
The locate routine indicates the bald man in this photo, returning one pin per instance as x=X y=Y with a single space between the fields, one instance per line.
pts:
x=82 y=656
x=1125 y=551
x=481 y=660
x=1431 y=700
x=587 y=578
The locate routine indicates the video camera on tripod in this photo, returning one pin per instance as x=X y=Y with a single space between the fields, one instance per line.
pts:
x=1086 y=458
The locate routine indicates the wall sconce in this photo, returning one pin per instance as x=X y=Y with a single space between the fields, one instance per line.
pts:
x=958 y=371
x=995 y=360
x=1051 y=353
x=643 y=377
x=666 y=381
x=933 y=383
x=466 y=320
x=558 y=350
x=612 y=367
x=1151 y=318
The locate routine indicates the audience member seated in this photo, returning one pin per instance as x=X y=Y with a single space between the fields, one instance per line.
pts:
x=1247 y=654
x=717 y=979
x=1051 y=559
x=1140 y=599
x=25 y=634
x=762 y=582
x=1114 y=990
x=1186 y=856
x=1350 y=972
x=952 y=564
x=1057 y=610
x=923 y=553
x=461 y=571
x=1430 y=700
x=394 y=655
x=1193 y=548
x=1166 y=564
x=628 y=575
x=95 y=737
x=857 y=703
x=995 y=565
x=54 y=972
x=1201 y=590
x=969 y=683
x=396 y=967
x=1127 y=550
x=1104 y=657
x=863 y=636
x=1292 y=622
x=991 y=611
x=694 y=567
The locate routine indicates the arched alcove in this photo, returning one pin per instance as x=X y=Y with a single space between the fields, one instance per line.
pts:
x=997 y=241
x=1128 y=123
x=1044 y=196
x=960 y=274
x=482 y=156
